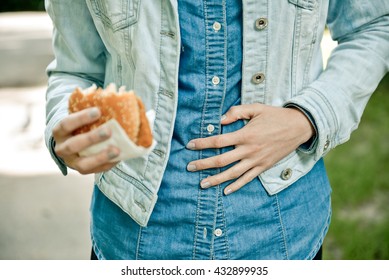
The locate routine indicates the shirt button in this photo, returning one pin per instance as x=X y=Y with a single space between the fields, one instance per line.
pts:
x=261 y=23
x=215 y=80
x=210 y=128
x=258 y=78
x=286 y=174
x=218 y=232
x=216 y=26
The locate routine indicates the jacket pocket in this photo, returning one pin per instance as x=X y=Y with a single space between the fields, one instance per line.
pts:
x=116 y=14
x=305 y=4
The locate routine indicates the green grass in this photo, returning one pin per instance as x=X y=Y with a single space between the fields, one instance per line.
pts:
x=359 y=175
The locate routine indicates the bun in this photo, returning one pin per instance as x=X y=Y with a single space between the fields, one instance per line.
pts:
x=123 y=106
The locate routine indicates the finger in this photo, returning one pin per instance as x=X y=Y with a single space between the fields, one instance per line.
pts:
x=76 y=144
x=243 y=180
x=104 y=167
x=217 y=141
x=216 y=161
x=97 y=162
x=76 y=120
x=241 y=112
x=230 y=174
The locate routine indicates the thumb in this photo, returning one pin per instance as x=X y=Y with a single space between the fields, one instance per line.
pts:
x=241 y=112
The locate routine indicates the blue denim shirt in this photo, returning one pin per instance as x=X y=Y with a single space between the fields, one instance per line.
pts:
x=138 y=44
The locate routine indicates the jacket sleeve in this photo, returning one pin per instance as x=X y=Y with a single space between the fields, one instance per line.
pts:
x=336 y=100
x=79 y=61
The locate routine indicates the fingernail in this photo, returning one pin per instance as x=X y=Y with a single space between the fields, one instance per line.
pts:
x=103 y=133
x=190 y=145
x=205 y=184
x=94 y=113
x=191 y=167
x=223 y=118
x=227 y=191
x=113 y=154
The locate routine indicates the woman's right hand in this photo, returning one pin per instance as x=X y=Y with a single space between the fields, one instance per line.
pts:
x=68 y=146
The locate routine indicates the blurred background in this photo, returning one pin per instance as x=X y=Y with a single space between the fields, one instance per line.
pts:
x=44 y=215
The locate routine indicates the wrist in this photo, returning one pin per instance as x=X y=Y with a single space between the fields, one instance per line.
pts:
x=303 y=125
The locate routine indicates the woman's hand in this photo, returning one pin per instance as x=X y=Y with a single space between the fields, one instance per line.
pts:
x=270 y=134
x=67 y=146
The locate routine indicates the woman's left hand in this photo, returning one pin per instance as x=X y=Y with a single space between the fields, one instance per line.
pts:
x=270 y=134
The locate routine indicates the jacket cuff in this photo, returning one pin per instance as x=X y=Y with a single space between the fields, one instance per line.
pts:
x=322 y=116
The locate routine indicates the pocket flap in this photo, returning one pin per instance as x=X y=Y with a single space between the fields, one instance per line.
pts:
x=305 y=4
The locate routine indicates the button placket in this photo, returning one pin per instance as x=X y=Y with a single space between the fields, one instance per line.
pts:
x=210 y=120
x=210 y=128
x=218 y=232
x=216 y=26
x=215 y=80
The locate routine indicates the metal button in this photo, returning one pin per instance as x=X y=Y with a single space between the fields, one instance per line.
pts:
x=258 y=78
x=218 y=232
x=215 y=80
x=286 y=174
x=261 y=23
x=216 y=26
x=210 y=128
x=326 y=145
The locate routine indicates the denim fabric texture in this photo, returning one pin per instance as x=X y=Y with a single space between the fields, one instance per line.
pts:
x=187 y=70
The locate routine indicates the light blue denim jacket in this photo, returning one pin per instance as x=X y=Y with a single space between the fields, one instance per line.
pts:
x=136 y=43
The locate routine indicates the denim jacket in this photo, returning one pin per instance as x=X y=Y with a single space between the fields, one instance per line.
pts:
x=136 y=43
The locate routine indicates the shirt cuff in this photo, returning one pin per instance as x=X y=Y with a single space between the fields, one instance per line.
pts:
x=59 y=161
x=309 y=146
x=50 y=144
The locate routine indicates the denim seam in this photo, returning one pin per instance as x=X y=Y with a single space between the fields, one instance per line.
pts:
x=224 y=222
x=160 y=82
x=97 y=251
x=281 y=225
x=224 y=61
x=126 y=40
x=138 y=244
x=204 y=109
x=265 y=83
x=199 y=208
x=216 y=204
x=244 y=56
x=308 y=4
x=325 y=100
x=313 y=41
x=206 y=73
x=199 y=193
x=119 y=69
x=136 y=183
x=219 y=193
x=197 y=218
x=128 y=19
x=295 y=54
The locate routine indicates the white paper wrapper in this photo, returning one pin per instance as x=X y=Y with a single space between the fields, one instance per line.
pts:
x=119 y=138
